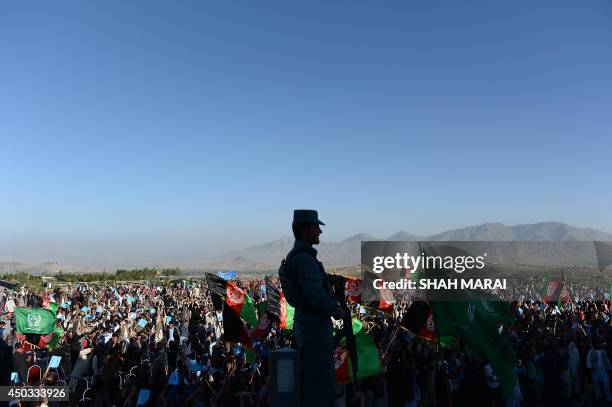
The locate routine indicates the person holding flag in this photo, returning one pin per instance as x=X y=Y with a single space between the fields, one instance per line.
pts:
x=307 y=287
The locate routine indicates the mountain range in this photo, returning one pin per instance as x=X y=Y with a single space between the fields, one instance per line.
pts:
x=348 y=251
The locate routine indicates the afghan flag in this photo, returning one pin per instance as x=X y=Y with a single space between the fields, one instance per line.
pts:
x=273 y=296
x=42 y=341
x=287 y=314
x=380 y=305
x=27 y=340
x=34 y=321
x=419 y=320
x=241 y=303
x=51 y=340
x=384 y=303
x=57 y=335
x=235 y=297
x=367 y=356
x=386 y=307
x=352 y=289
x=235 y=331
x=278 y=306
x=216 y=286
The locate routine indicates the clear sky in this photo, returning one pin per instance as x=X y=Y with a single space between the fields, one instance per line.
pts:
x=135 y=130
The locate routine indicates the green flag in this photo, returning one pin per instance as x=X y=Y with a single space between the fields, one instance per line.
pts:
x=495 y=311
x=367 y=356
x=247 y=312
x=53 y=307
x=57 y=335
x=474 y=322
x=251 y=356
x=475 y=325
x=34 y=321
x=287 y=313
x=261 y=308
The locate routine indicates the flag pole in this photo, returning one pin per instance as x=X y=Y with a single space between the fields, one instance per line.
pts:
x=390 y=342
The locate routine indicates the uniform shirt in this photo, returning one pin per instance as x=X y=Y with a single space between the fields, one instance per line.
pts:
x=316 y=290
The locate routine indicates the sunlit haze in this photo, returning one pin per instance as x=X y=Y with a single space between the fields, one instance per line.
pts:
x=148 y=131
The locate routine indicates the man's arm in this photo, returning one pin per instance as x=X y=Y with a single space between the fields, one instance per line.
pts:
x=314 y=296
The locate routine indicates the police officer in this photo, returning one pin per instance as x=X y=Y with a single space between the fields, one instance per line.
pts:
x=312 y=323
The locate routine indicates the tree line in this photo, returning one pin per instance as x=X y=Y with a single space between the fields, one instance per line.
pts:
x=119 y=275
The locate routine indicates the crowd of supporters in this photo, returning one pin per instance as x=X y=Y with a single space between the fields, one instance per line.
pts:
x=162 y=344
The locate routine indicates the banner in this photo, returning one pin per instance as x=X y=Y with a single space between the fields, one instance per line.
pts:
x=227 y=275
x=34 y=321
x=9 y=285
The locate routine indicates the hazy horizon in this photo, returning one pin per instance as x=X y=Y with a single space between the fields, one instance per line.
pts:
x=154 y=130
x=92 y=256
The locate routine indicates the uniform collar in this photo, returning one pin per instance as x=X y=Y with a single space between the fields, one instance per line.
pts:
x=300 y=244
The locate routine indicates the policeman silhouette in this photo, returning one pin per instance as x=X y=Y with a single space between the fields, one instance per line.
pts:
x=311 y=292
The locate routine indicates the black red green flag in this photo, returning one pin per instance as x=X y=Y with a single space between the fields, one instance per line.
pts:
x=418 y=319
x=278 y=306
x=367 y=354
x=273 y=298
x=216 y=288
x=235 y=297
x=235 y=331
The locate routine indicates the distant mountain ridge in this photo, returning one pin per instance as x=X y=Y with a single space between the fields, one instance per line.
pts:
x=266 y=257
x=549 y=231
x=348 y=252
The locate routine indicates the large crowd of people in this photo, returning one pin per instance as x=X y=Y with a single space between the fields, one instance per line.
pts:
x=162 y=344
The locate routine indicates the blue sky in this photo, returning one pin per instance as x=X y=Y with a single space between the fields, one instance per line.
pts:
x=174 y=130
